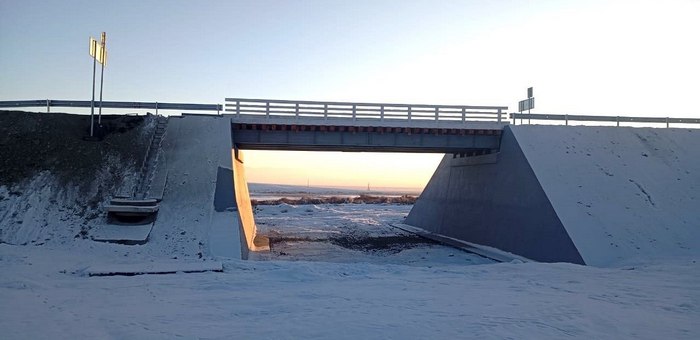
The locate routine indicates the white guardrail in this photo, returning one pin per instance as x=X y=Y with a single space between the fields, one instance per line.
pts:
x=566 y=118
x=357 y=111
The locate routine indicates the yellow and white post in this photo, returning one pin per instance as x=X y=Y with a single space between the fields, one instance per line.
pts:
x=98 y=54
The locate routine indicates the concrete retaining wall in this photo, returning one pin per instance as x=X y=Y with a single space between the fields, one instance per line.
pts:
x=493 y=200
x=245 y=209
x=595 y=195
x=198 y=197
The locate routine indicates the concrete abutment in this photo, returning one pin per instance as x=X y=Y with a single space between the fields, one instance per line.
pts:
x=589 y=195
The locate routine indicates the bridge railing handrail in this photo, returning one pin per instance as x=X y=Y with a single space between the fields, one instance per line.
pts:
x=48 y=103
x=616 y=119
x=381 y=111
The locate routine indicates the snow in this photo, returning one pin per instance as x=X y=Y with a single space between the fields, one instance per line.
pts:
x=346 y=233
x=322 y=291
x=624 y=195
x=42 y=298
x=46 y=293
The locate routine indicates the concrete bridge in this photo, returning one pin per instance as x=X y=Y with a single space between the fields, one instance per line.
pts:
x=259 y=124
x=589 y=195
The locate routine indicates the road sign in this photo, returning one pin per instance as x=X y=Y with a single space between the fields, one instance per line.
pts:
x=526 y=104
x=98 y=51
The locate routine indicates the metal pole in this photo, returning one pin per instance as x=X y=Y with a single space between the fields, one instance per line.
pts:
x=92 y=103
x=102 y=75
x=48 y=106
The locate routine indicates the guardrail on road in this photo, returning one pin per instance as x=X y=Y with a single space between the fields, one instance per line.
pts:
x=48 y=103
x=613 y=119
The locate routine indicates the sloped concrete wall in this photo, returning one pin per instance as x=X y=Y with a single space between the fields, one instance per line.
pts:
x=624 y=194
x=595 y=195
x=197 y=199
x=493 y=200
x=245 y=209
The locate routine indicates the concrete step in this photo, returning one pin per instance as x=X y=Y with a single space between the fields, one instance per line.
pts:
x=134 y=202
x=123 y=234
x=131 y=210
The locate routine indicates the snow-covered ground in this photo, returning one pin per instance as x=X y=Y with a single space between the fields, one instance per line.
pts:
x=44 y=296
x=45 y=292
x=350 y=233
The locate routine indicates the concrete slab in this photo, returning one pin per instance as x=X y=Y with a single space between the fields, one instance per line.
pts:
x=487 y=252
x=154 y=268
x=124 y=234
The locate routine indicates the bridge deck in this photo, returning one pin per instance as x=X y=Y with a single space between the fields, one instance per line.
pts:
x=366 y=122
x=327 y=137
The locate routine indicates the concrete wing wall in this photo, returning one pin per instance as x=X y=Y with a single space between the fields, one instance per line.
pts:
x=494 y=200
x=245 y=209
x=623 y=194
x=195 y=149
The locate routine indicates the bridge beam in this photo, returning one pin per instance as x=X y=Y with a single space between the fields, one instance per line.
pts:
x=364 y=139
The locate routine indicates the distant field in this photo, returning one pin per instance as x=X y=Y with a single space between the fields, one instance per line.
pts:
x=265 y=191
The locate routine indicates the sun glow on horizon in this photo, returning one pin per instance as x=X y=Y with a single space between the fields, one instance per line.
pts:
x=345 y=169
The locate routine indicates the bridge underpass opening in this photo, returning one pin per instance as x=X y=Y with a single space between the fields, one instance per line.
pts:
x=341 y=207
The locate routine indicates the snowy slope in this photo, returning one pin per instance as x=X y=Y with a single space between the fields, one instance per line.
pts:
x=629 y=194
x=293 y=300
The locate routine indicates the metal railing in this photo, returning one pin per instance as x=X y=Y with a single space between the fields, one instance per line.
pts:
x=613 y=119
x=359 y=111
x=48 y=103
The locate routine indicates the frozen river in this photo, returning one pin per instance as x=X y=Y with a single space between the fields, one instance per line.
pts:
x=349 y=233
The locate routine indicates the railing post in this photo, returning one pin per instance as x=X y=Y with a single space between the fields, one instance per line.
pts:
x=381 y=113
x=617 y=121
x=296 y=110
x=513 y=118
x=325 y=111
x=156 y=108
x=267 y=110
x=499 y=115
x=437 y=113
x=238 y=108
x=667 y=123
x=354 y=111
x=464 y=115
x=48 y=106
x=566 y=119
x=409 y=113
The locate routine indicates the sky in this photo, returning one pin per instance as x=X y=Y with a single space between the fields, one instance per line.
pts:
x=584 y=57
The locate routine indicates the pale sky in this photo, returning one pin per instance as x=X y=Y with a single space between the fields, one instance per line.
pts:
x=587 y=57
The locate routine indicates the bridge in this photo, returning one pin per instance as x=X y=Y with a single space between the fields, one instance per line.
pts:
x=260 y=124
x=581 y=194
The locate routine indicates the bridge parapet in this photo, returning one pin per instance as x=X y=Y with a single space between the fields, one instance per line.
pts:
x=263 y=111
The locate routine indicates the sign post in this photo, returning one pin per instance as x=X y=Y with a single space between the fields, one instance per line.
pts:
x=526 y=104
x=98 y=54
x=93 y=50
x=103 y=56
